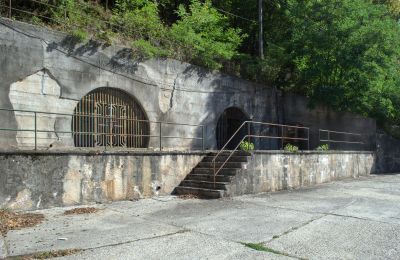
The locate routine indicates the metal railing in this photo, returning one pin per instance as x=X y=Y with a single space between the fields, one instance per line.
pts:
x=110 y=135
x=249 y=136
x=331 y=139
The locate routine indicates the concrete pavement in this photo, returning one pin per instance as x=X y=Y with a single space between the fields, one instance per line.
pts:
x=350 y=219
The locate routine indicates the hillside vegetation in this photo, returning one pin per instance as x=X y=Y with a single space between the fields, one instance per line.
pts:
x=342 y=53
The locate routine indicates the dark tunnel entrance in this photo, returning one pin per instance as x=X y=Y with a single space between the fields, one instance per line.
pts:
x=228 y=123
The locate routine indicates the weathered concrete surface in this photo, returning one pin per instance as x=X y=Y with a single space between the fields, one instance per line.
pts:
x=272 y=171
x=3 y=249
x=186 y=245
x=35 y=181
x=48 y=71
x=43 y=180
x=350 y=219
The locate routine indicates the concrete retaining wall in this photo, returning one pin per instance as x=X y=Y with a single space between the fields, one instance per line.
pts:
x=274 y=171
x=33 y=181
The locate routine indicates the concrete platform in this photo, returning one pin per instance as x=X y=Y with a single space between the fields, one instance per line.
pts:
x=351 y=219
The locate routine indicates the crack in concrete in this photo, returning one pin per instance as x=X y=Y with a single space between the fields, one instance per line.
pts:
x=292 y=229
x=125 y=242
x=185 y=229
x=330 y=213
x=171 y=100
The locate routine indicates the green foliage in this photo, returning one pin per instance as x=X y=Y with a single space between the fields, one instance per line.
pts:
x=345 y=54
x=146 y=50
x=139 y=20
x=247 y=146
x=79 y=35
x=262 y=247
x=204 y=36
x=291 y=148
x=323 y=147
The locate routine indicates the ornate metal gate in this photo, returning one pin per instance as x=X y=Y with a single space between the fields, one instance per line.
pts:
x=110 y=117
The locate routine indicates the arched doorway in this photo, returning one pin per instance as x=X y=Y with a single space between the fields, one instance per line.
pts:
x=228 y=123
x=110 y=117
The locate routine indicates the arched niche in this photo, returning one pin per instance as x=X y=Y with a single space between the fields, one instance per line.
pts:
x=110 y=117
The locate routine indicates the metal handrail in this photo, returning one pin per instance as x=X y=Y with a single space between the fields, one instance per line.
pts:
x=223 y=149
x=35 y=129
x=329 y=140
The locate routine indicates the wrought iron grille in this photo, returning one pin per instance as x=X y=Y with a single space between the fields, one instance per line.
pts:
x=110 y=117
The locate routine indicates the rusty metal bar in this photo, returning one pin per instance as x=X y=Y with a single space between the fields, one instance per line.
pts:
x=160 y=124
x=202 y=138
x=35 y=124
x=330 y=140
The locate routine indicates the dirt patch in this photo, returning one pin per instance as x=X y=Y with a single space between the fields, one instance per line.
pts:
x=78 y=211
x=188 y=197
x=46 y=255
x=13 y=220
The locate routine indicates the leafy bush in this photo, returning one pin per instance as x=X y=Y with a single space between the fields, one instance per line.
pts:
x=291 y=148
x=204 y=35
x=247 y=146
x=79 y=35
x=323 y=147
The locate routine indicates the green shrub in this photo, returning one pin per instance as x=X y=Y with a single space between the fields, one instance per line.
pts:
x=147 y=50
x=247 y=146
x=291 y=148
x=323 y=147
x=79 y=35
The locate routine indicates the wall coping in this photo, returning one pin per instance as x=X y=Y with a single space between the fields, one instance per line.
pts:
x=92 y=152
x=312 y=152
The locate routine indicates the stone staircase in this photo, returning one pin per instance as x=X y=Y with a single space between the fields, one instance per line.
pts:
x=200 y=181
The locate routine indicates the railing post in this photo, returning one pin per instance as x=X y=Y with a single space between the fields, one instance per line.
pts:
x=319 y=136
x=160 y=133
x=35 y=127
x=248 y=131
x=202 y=138
x=281 y=137
x=308 y=138
x=9 y=9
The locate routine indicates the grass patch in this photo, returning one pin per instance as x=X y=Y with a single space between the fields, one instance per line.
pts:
x=261 y=247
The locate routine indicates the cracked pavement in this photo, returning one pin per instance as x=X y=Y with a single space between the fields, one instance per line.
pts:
x=349 y=219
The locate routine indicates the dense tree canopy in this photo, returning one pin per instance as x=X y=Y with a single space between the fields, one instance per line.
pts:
x=342 y=53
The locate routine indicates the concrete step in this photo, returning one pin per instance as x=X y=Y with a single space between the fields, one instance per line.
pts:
x=210 y=171
x=235 y=165
x=223 y=158
x=200 y=192
x=208 y=177
x=204 y=184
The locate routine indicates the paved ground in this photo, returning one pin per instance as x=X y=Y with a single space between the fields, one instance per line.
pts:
x=352 y=219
